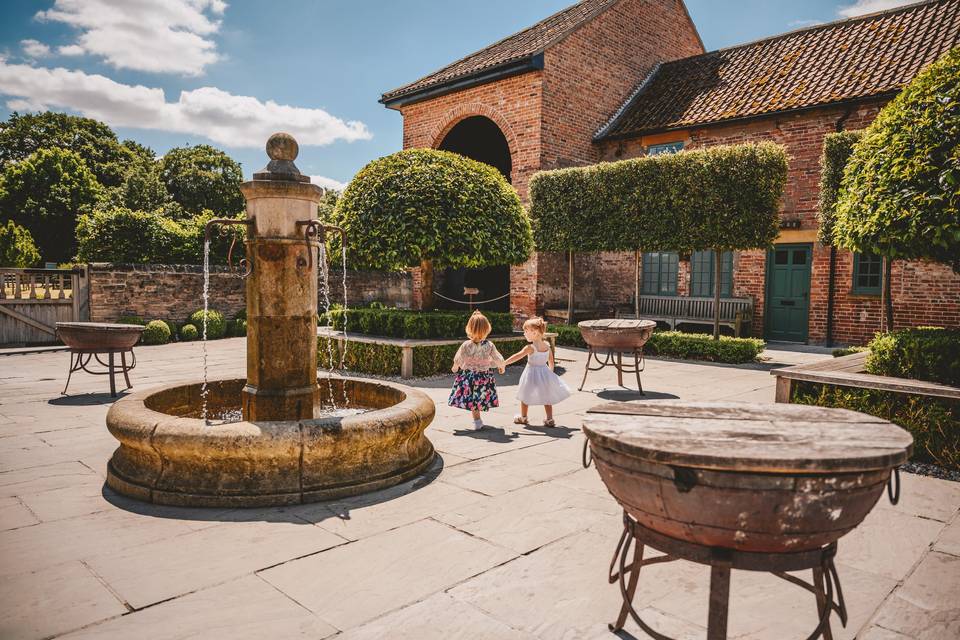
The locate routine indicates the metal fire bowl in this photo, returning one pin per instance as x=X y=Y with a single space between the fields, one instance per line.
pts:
x=622 y=339
x=745 y=511
x=98 y=336
x=166 y=457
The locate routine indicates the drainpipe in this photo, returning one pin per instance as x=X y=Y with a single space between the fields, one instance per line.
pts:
x=832 y=277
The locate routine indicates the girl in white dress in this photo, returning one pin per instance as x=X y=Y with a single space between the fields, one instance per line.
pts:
x=539 y=385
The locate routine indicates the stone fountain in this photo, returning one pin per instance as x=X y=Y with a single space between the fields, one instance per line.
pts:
x=288 y=448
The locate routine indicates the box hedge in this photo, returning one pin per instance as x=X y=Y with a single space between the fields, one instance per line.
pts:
x=683 y=346
x=921 y=353
x=934 y=423
x=401 y=323
x=156 y=332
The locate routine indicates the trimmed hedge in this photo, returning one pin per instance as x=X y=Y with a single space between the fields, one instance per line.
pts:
x=900 y=195
x=847 y=351
x=189 y=333
x=156 y=332
x=236 y=328
x=837 y=149
x=724 y=197
x=401 y=323
x=922 y=353
x=384 y=359
x=216 y=325
x=683 y=346
x=934 y=423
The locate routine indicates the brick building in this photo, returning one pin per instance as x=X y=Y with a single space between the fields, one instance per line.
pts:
x=612 y=79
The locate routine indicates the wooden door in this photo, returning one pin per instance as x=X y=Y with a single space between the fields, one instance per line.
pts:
x=788 y=292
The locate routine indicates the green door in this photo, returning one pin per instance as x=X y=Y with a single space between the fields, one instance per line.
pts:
x=788 y=292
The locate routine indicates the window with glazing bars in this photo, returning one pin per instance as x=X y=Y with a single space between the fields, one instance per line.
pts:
x=867 y=273
x=660 y=274
x=701 y=274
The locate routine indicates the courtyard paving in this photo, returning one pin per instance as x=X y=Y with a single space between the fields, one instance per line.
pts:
x=506 y=538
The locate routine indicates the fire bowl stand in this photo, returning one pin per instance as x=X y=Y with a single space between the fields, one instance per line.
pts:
x=614 y=358
x=721 y=561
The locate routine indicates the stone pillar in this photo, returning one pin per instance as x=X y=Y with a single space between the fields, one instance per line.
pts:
x=281 y=290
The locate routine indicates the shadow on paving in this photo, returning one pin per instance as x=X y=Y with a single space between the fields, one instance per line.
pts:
x=509 y=379
x=86 y=399
x=339 y=507
x=626 y=395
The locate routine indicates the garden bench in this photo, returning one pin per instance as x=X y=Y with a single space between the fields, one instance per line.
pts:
x=734 y=312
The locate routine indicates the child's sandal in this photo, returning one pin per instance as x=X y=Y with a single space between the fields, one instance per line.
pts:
x=549 y=423
x=520 y=420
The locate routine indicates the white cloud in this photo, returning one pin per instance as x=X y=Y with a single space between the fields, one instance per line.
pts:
x=861 y=7
x=229 y=120
x=328 y=183
x=35 y=48
x=70 y=50
x=167 y=36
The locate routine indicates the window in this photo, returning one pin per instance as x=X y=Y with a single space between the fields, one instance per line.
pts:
x=669 y=147
x=867 y=273
x=660 y=274
x=701 y=274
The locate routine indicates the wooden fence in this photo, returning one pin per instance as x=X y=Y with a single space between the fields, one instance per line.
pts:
x=33 y=301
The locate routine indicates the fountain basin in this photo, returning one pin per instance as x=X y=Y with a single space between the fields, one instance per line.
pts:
x=167 y=457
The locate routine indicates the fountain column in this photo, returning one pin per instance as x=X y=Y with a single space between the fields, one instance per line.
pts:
x=281 y=289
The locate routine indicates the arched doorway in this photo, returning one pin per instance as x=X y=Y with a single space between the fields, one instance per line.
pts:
x=479 y=138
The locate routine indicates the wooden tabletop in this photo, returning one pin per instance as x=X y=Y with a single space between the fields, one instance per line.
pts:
x=616 y=323
x=734 y=436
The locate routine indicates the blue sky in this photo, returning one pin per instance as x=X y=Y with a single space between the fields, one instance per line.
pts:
x=229 y=73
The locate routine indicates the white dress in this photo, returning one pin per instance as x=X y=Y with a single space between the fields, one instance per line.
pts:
x=538 y=384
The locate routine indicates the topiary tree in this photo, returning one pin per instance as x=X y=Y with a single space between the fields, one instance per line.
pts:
x=156 y=332
x=189 y=333
x=722 y=198
x=45 y=192
x=900 y=194
x=432 y=209
x=216 y=325
x=16 y=247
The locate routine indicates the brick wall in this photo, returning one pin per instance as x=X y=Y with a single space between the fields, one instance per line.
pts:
x=175 y=291
x=588 y=75
x=923 y=293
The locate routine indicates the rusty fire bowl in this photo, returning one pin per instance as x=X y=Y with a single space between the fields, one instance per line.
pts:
x=167 y=457
x=617 y=338
x=99 y=336
x=760 y=512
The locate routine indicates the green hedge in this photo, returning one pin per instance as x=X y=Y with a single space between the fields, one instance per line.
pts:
x=189 y=333
x=124 y=236
x=724 y=197
x=837 y=149
x=933 y=422
x=216 y=325
x=400 y=323
x=922 y=353
x=900 y=195
x=683 y=346
x=384 y=359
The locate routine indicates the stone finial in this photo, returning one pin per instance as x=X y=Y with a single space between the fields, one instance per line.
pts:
x=282 y=149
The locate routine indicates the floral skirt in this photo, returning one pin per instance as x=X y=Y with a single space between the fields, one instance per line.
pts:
x=474 y=390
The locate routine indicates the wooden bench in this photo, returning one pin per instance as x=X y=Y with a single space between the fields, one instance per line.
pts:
x=734 y=312
x=850 y=371
x=559 y=316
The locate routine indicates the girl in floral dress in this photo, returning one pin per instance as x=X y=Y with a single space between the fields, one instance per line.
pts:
x=475 y=388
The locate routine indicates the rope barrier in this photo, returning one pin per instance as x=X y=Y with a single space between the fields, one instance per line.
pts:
x=437 y=293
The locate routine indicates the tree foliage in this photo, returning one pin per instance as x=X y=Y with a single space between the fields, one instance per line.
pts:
x=22 y=135
x=202 y=177
x=724 y=198
x=837 y=149
x=45 y=192
x=17 y=248
x=900 y=195
x=423 y=204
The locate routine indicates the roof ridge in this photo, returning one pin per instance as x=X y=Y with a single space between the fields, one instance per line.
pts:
x=822 y=26
x=626 y=103
x=602 y=5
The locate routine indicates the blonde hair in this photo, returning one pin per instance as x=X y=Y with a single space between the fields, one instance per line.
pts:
x=478 y=327
x=537 y=324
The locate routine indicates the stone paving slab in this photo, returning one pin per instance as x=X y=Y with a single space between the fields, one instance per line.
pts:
x=507 y=537
x=243 y=609
x=385 y=571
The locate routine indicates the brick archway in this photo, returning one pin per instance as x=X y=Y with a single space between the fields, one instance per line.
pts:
x=461 y=112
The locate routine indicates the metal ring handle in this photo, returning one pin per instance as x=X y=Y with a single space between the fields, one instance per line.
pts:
x=893 y=486
x=586 y=458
